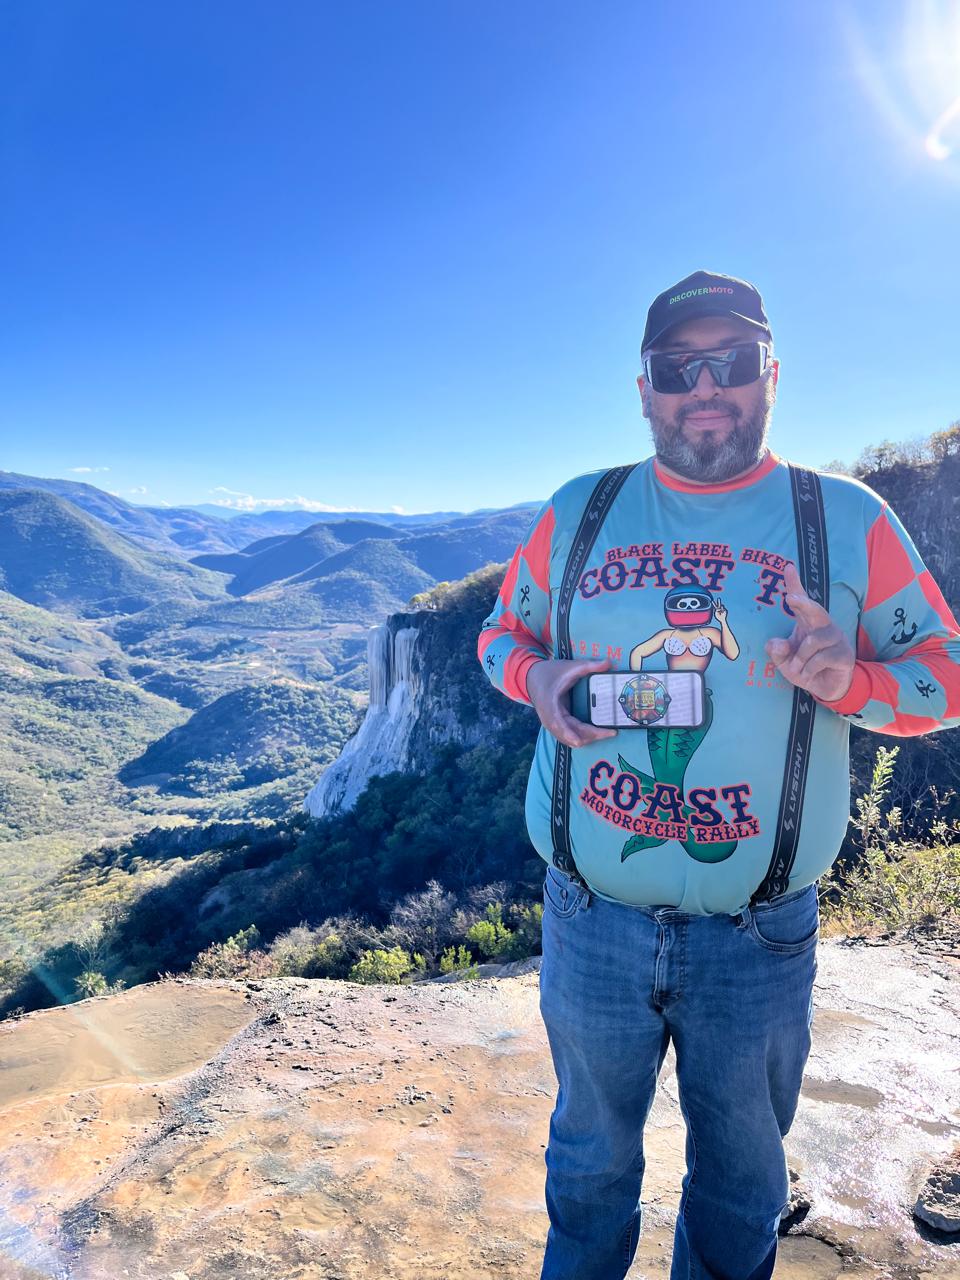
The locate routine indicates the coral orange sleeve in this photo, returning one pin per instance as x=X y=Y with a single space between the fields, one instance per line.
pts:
x=907 y=676
x=516 y=634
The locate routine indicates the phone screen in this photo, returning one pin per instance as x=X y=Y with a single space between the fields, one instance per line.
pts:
x=646 y=699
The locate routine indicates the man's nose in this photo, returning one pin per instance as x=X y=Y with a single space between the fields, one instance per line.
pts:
x=705 y=387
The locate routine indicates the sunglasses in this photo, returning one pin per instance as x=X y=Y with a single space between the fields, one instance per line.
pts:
x=672 y=372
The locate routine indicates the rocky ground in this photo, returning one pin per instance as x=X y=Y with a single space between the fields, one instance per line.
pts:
x=316 y=1130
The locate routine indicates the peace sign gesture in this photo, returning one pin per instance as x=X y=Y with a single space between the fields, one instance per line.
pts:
x=817 y=656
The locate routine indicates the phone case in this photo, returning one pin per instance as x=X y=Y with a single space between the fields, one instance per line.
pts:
x=646 y=699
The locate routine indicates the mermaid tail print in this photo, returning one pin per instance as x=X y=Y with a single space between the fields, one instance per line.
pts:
x=688 y=612
x=670 y=753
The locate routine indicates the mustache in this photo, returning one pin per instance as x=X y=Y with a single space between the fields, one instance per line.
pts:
x=713 y=406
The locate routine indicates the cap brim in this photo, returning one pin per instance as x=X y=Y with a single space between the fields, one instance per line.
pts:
x=706 y=311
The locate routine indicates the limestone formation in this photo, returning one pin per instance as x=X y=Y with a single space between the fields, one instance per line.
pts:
x=938 y=1203
x=294 y=1129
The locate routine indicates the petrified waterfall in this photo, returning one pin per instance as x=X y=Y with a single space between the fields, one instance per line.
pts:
x=381 y=744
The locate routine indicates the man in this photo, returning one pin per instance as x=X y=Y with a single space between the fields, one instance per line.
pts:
x=680 y=896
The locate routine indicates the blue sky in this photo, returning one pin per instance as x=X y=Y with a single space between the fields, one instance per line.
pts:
x=399 y=255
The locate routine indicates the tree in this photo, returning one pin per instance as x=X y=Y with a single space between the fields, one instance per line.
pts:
x=424 y=920
x=876 y=457
x=946 y=444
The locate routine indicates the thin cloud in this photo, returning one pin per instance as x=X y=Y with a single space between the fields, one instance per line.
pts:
x=247 y=502
x=87 y=469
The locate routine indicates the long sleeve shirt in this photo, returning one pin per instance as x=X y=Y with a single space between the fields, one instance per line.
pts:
x=670 y=817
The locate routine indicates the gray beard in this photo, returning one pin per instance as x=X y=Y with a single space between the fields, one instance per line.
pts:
x=709 y=459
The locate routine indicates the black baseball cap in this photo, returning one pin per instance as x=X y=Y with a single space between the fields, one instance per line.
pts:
x=704 y=293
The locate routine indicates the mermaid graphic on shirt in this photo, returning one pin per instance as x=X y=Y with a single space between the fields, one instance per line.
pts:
x=689 y=643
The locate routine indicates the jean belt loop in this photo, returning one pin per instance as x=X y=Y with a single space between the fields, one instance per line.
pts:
x=587 y=895
x=743 y=917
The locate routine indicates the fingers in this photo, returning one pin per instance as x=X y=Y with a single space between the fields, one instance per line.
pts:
x=780 y=649
x=576 y=733
x=574 y=670
x=817 y=666
x=549 y=684
x=834 y=658
x=801 y=648
x=785 y=653
x=566 y=727
x=813 y=614
x=791 y=579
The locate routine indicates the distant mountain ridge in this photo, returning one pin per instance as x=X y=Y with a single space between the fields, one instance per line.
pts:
x=54 y=554
x=173 y=530
x=208 y=529
x=231 y=513
x=69 y=545
x=397 y=563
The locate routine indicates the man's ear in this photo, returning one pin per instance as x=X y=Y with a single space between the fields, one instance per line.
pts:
x=775 y=366
x=641 y=386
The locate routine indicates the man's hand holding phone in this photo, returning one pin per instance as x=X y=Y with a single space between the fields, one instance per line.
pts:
x=548 y=685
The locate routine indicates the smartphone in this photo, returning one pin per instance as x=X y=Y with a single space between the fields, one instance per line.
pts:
x=646 y=699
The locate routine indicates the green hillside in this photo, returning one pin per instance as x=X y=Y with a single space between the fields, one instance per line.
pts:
x=71 y=715
x=253 y=735
x=444 y=552
x=367 y=580
x=280 y=558
x=172 y=530
x=34 y=640
x=55 y=555
x=451 y=553
x=271 y=560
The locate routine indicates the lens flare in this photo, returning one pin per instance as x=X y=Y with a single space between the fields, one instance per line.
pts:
x=911 y=73
x=936 y=148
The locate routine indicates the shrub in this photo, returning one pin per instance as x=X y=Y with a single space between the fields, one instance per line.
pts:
x=455 y=959
x=526 y=938
x=90 y=983
x=425 y=920
x=490 y=936
x=896 y=883
x=380 y=965
x=303 y=952
x=234 y=959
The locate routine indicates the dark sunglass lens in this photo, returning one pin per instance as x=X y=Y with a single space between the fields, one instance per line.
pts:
x=672 y=374
x=666 y=374
x=747 y=365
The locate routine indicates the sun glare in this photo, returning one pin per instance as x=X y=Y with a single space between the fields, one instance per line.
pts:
x=912 y=74
x=937 y=149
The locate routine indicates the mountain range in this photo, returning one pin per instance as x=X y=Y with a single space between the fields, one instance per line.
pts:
x=69 y=545
x=208 y=529
x=161 y=667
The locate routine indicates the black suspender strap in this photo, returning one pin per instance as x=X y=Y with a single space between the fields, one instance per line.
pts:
x=593 y=517
x=814 y=570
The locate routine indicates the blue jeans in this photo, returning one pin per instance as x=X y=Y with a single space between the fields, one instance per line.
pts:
x=735 y=992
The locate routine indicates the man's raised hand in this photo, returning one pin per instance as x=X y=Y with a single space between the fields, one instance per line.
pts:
x=548 y=687
x=817 y=656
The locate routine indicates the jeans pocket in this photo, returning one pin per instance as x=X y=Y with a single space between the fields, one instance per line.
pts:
x=789 y=926
x=561 y=894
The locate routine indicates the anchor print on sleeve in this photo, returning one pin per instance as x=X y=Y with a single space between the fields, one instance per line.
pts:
x=905 y=636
